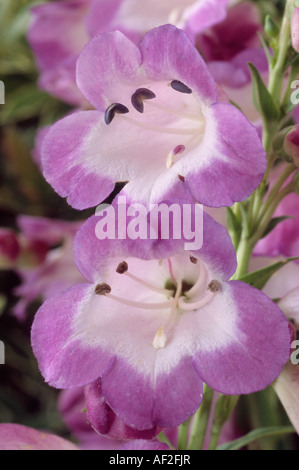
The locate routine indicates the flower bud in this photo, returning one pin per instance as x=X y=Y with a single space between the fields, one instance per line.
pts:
x=271 y=28
x=9 y=248
x=291 y=144
x=295 y=29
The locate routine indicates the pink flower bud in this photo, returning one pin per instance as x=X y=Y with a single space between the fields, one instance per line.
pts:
x=291 y=144
x=9 y=248
x=295 y=29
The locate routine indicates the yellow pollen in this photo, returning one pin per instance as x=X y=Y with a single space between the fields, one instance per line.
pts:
x=160 y=339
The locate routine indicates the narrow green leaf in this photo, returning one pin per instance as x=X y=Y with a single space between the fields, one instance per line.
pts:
x=266 y=49
x=262 y=99
x=233 y=223
x=260 y=277
x=273 y=431
x=23 y=103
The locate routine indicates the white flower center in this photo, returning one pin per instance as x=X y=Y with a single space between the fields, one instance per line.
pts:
x=180 y=295
x=170 y=113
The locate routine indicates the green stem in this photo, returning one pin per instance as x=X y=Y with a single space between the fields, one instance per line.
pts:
x=288 y=170
x=244 y=253
x=183 y=435
x=265 y=220
x=201 y=420
x=223 y=410
x=277 y=72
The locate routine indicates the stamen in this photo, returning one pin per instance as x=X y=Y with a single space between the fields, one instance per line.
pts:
x=102 y=289
x=201 y=281
x=181 y=178
x=214 y=286
x=180 y=86
x=188 y=306
x=160 y=339
x=123 y=267
x=143 y=305
x=170 y=157
x=115 y=108
x=140 y=95
x=193 y=260
x=171 y=271
x=162 y=130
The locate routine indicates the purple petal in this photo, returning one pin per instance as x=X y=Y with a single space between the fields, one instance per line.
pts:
x=64 y=166
x=18 y=437
x=233 y=162
x=92 y=255
x=142 y=444
x=57 y=345
x=106 y=68
x=168 y=54
x=248 y=338
x=105 y=421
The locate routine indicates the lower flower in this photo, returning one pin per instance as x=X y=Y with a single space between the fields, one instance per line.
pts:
x=155 y=322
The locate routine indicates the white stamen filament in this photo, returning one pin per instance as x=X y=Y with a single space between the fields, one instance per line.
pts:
x=143 y=305
x=171 y=271
x=201 y=281
x=189 y=306
x=148 y=285
x=162 y=130
x=160 y=338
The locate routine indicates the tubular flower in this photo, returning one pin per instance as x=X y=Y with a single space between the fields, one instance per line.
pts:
x=158 y=124
x=229 y=45
x=155 y=322
x=59 y=31
x=48 y=259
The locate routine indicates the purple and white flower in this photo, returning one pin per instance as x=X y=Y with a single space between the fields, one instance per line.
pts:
x=160 y=124
x=229 y=45
x=59 y=31
x=155 y=322
x=47 y=259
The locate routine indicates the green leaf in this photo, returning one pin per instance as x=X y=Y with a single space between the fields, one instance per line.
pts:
x=266 y=49
x=274 y=222
x=271 y=27
x=272 y=431
x=260 y=277
x=25 y=102
x=262 y=99
x=233 y=223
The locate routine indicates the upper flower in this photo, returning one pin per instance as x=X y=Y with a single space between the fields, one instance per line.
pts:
x=154 y=323
x=159 y=124
x=229 y=45
x=59 y=31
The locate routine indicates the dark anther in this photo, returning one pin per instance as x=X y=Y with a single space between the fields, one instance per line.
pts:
x=214 y=286
x=139 y=96
x=181 y=87
x=122 y=267
x=102 y=289
x=115 y=108
x=193 y=260
x=181 y=178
